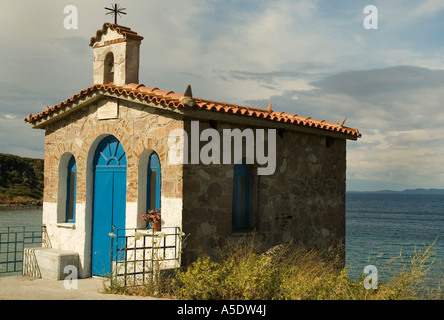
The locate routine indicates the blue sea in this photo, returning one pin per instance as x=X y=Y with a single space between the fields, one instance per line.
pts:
x=383 y=226
x=379 y=228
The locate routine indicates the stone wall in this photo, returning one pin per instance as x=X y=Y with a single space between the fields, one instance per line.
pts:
x=140 y=129
x=302 y=202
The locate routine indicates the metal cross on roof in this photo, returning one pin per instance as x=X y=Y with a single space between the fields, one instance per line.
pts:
x=115 y=10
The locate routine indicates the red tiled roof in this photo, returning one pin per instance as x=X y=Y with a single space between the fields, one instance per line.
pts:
x=124 y=31
x=177 y=101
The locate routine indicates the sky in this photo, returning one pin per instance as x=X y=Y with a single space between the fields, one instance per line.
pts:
x=312 y=58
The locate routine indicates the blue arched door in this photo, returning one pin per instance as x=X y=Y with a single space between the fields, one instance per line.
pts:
x=109 y=201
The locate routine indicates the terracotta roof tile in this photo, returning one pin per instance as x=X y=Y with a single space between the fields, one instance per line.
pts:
x=126 y=32
x=173 y=100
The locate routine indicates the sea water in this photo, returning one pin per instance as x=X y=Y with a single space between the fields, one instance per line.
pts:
x=21 y=216
x=12 y=221
x=386 y=229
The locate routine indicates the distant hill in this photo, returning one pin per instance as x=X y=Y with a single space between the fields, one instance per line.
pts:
x=407 y=191
x=21 y=180
x=424 y=191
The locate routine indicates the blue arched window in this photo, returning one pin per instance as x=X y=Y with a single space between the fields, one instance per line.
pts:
x=241 y=197
x=153 y=183
x=71 y=184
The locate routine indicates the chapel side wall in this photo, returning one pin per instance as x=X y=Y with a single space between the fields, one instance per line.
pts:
x=139 y=129
x=302 y=202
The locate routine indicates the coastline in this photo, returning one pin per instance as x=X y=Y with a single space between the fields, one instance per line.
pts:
x=21 y=204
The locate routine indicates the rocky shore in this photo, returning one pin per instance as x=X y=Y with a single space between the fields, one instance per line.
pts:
x=21 y=204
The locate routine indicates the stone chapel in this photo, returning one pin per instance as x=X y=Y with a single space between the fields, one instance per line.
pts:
x=109 y=153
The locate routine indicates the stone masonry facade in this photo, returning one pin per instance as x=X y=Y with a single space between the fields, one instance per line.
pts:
x=140 y=129
x=303 y=202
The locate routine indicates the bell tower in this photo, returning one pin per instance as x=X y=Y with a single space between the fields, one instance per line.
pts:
x=116 y=55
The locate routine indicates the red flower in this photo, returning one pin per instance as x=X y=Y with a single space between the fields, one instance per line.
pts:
x=152 y=217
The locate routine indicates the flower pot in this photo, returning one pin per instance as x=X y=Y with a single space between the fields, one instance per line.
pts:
x=157 y=226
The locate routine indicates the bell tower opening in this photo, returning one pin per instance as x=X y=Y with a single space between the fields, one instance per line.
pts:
x=108 y=76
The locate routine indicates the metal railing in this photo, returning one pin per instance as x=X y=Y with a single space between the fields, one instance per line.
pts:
x=13 y=241
x=138 y=254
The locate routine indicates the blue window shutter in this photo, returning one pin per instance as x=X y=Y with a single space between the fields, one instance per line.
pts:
x=241 y=197
x=71 y=191
x=153 y=183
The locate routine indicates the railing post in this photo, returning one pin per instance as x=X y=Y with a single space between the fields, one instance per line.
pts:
x=147 y=255
x=112 y=273
x=13 y=241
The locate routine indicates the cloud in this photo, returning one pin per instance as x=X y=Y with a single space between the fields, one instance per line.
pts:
x=73 y=45
x=399 y=112
x=276 y=35
x=16 y=137
x=391 y=79
x=19 y=101
x=412 y=10
x=312 y=58
x=397 y=109
x=9 y=116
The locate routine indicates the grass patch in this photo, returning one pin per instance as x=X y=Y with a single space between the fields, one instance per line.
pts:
x=285 y=272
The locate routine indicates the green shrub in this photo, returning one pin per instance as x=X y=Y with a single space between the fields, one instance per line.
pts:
x=294 y=273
